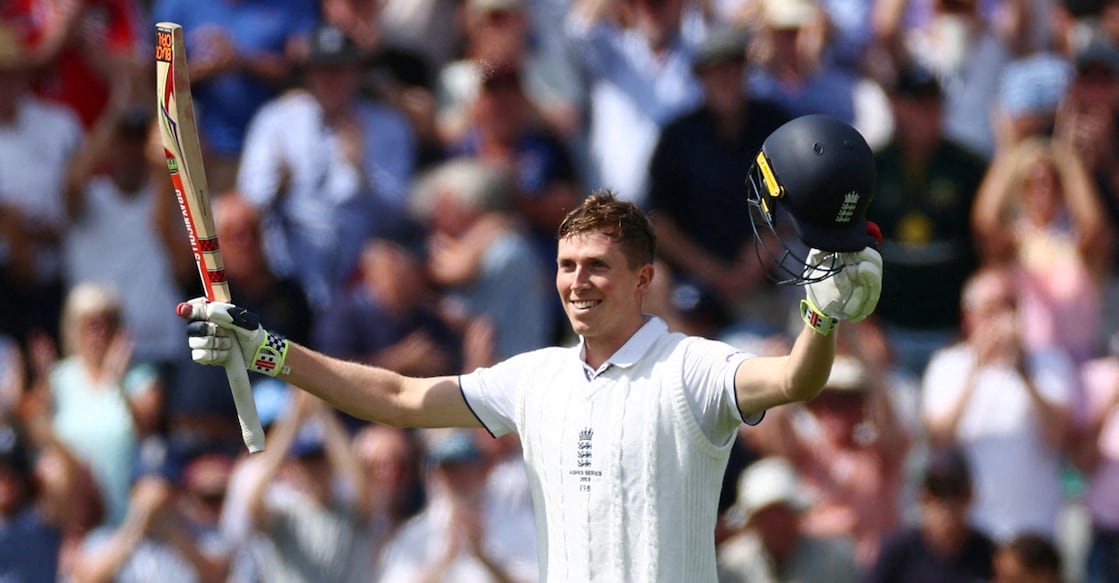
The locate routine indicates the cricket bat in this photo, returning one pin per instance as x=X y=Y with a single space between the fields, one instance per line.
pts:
x=184 y=162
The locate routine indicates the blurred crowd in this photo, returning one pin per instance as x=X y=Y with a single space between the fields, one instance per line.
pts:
x=388 y=176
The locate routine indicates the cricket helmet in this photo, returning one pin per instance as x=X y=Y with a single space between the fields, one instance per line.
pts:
x=819 y=173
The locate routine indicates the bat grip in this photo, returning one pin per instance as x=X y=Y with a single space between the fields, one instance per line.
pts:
x=251 y=430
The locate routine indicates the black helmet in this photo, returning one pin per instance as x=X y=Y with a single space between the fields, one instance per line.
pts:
x=821 y=173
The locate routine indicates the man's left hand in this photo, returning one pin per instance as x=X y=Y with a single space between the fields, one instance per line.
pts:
x=852 y=293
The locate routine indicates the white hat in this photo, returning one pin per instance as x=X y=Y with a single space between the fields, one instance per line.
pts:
x=789 y=13
x=848 y=374
x=768 y=481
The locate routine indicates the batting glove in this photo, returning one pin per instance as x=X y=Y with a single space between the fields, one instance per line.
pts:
x=218 y=326
x=850 y=294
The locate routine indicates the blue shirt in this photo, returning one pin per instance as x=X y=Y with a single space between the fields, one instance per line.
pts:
x=28 y=548
x=225 y=103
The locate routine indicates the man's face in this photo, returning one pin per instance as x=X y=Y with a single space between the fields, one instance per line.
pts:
x=1009 y=569
x=333 y=85
x=600 y=291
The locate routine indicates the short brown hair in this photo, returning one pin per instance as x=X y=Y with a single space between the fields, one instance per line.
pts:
x=624 y=222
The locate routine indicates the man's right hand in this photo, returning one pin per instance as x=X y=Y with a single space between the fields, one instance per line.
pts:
x=217 y=326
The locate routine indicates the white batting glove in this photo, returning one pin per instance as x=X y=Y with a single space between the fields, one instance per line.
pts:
x=850 y=294
x=217 y=326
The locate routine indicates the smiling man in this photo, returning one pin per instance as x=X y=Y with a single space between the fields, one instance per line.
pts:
x=626 y=434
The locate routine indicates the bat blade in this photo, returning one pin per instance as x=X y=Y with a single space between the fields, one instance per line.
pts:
x=175 y=107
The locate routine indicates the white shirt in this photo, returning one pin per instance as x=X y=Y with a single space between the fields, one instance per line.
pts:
x=115 y=242
x=633 y=93
x=422 y=542
x=35 y=151
x=329 y=207
x=1016 y=474
x=625 y=462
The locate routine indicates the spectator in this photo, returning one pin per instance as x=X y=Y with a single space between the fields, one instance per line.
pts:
x=1038 y=209
x=240 y=229
x=636 y=57
x=396 y=73
x=695 y=188
x=1028 y=558
x=849 y=448
x=458 y=537
x=923 y=198
x=199 y=406
x=156 y=540
x=507 y=487
x=1006 y=406
x=498 y=32
x=66 y=489
x=390 y=316
x=241 y=55
x=1086 y=122
x=504 y=130
x=37 y=140
x=109 y=184
x=433 y=28
x=83 y=48
x=1030 y=90
x=480 y=258
x=325 y=168
x=791 y=67
x=30 y=521
x=771 y=545
x=966 y=44
x=307 y=522
x=943 y=547
x=392 y=461
x=103 y=403
x=1095 y=449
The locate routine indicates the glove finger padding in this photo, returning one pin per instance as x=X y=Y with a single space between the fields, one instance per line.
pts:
x=866 y=275
x=852 y=293
x=209 y=343
x=830 y=295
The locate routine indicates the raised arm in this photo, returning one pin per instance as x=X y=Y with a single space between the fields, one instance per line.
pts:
x=1093 y=232
x=991 y=209
x=367 y=392
x=377 y=394
x=851 y=294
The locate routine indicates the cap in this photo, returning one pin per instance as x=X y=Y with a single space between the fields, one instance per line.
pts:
x=407 y=234
x=789 y=13
x=454 y=447
x=208 y=473
x=1034 y=84
x=157 y=456
x=917 y=81
x=331 y=46
x=720 y=47
x=768 y=481
x=308 y=441
x=848 y=374
x=947 y=474
x=1098 y=55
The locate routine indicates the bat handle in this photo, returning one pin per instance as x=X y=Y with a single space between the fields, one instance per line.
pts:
x=251 y=430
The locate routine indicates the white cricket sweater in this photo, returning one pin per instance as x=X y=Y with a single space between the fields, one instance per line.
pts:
x=625 y=483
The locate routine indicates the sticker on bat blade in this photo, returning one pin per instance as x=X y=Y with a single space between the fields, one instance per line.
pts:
x=164 y=44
